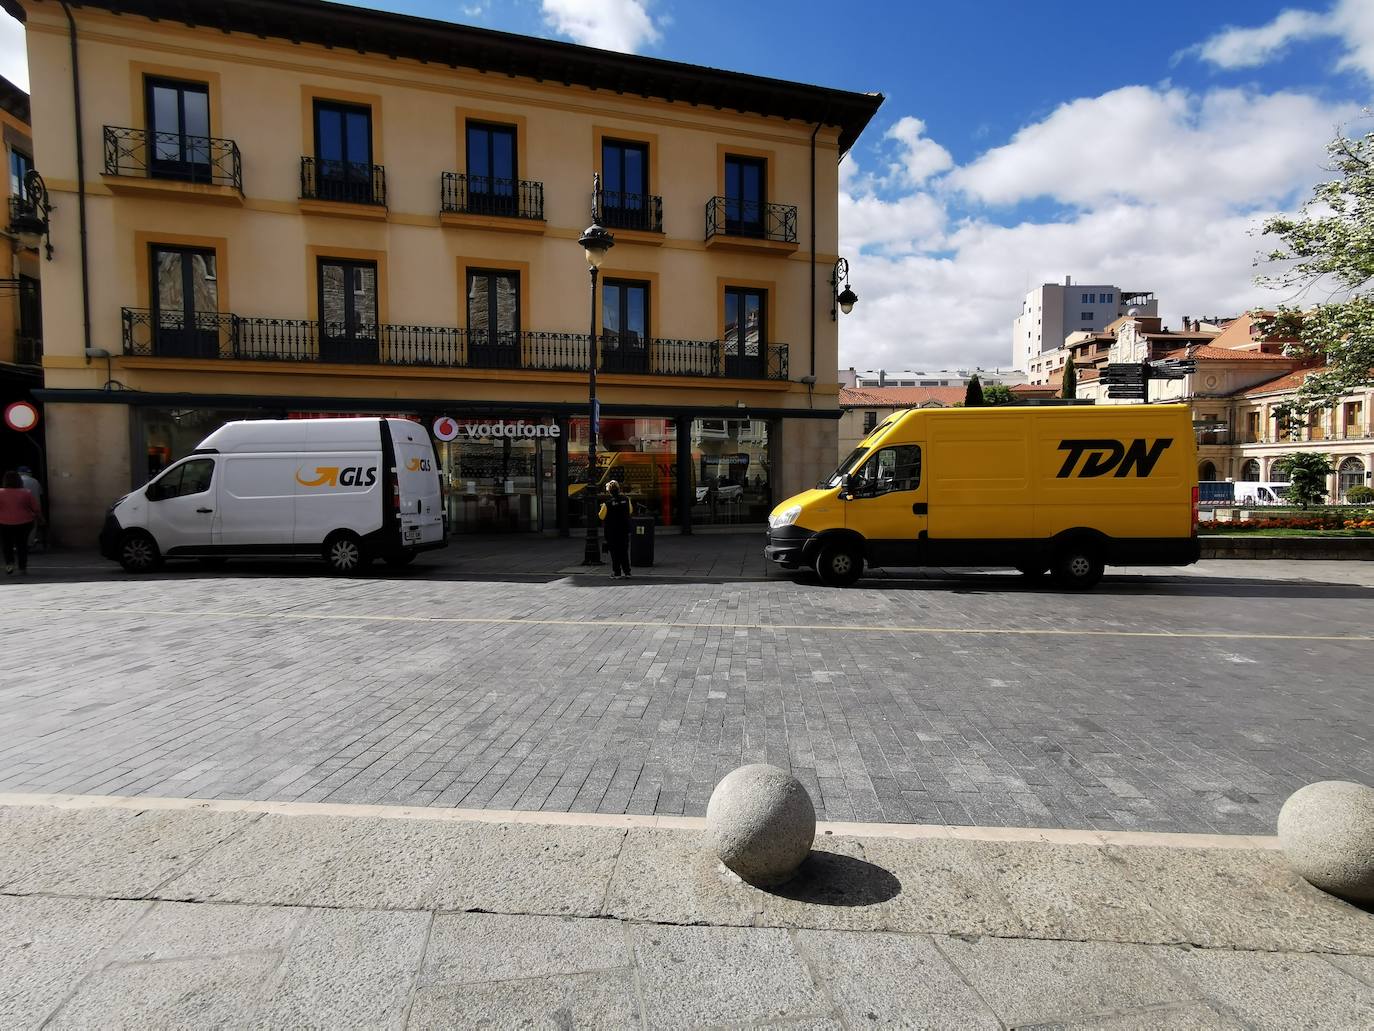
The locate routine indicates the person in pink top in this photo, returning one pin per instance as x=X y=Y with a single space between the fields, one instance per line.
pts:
x=18 y=512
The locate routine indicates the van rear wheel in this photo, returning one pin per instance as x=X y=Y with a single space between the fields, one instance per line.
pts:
x=1078 y=567
x=344 y=554
x=839 y=564
x=138 y=553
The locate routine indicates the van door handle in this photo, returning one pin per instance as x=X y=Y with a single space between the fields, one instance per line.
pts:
x=205 y=511
x=920 y=508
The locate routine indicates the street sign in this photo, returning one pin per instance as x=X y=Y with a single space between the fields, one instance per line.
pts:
x=21 y=417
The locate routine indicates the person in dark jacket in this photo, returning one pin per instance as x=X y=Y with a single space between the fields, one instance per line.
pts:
x=615 y=514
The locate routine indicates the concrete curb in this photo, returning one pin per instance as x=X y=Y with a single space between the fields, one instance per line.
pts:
x=896 y=831
x=1253 y=546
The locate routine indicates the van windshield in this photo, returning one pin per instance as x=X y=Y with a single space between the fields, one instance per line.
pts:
x=850 y=460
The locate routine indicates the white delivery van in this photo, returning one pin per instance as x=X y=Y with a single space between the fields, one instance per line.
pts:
x=350 y=490
x=1251 y=493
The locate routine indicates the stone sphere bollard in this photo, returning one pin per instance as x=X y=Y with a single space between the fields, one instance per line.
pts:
x=1326 y=831
x=761 y=823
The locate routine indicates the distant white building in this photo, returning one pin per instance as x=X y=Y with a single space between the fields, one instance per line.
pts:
x=1052 y=312
x=940 y=378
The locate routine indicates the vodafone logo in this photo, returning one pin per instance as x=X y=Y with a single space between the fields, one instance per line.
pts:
x=445 y=428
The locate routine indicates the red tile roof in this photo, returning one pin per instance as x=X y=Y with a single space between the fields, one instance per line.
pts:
x=1288 y=381
x=1208 y=352
x=899 y=397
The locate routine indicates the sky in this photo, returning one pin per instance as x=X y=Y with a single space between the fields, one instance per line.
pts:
x=1135 y=146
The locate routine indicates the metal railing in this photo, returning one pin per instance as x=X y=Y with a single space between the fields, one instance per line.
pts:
x=351 y=182
x=170 y=155
x=641 y=211
x=170 y=334
x=731 y=216
x=483 y=195
x=28 y=350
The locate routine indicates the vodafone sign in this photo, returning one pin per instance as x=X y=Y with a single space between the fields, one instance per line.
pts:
x=445 y=428
x=21 y=417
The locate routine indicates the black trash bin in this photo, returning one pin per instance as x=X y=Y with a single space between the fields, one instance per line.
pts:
x=641 y=540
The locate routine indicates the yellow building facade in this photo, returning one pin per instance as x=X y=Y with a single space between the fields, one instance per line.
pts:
x=21 y=323
x=291 y=208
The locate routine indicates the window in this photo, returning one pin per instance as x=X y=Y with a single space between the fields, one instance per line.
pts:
x=343 y=152
x=624 y=326
x=492 y=169
x=1354 y=410
x=193 y=477
x=1252 y=427
x=1107 y=297
x=625 y=203
x=1086 y=316
x=870 y=422
x=1350 y=473
x=30 y=308
x=746 y=344
x=178 y=129
x=348 y=310
x=1250 y=471
x=891 y=469
x=21 y=164
x=744 y=195
x=493 y=319
x=184 y=302
x=1087 y=298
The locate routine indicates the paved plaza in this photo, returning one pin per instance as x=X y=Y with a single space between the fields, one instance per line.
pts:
x=1189 y=700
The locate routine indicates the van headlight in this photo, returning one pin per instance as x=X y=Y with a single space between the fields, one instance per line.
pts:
x=786 y=517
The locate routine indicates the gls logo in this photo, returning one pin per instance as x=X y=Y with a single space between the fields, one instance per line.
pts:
x=333 y=476
x=419 y=465
x=1106 y=455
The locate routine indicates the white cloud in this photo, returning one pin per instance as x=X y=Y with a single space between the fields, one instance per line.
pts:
x=920 y=157
x=1162 y=190
x=14 y=57
x=1351 y=21
x=623 y=25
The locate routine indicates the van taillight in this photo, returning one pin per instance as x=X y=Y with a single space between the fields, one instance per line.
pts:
x=396 y=495
x=1195 y=507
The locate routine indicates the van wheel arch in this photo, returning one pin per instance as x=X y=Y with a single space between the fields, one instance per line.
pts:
x=139 y=553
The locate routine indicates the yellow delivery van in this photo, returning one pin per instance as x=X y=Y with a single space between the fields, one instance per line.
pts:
x=1063 y=490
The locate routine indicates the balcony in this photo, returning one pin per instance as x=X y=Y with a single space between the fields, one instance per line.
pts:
x=350 y=188
x=223 y=336
x=749 y=225
x=139 y=161
x=485 y=202
x=635 y=212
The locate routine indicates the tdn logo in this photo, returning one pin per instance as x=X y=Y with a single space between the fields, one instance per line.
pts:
x=1105 y=455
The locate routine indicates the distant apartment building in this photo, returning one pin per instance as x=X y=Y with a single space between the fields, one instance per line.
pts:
x=1052 y=312
x=941 y=378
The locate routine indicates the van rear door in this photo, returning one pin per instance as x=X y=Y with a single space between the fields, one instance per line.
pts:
x=417 y=476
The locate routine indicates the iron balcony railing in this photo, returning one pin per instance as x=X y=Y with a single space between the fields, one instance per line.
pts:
x=169 y=155
x=350 y=182
x=28 y=350
x=484 y=195
x=641 y=211
x=731 y=216
x=207 y=335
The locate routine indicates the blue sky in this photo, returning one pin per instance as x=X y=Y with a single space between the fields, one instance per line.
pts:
x=1019 y=142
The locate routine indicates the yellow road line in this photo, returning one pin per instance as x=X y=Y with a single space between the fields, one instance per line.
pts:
x=679 y=625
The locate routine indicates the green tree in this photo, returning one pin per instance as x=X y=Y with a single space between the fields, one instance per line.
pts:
x=997 y=394
x=1307 y=472
x=1327 y=250
x=973 y=393
x=1069 y=387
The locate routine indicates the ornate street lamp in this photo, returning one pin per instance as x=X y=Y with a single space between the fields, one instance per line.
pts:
x=595 y=242
x=29 y=213
x=844 y=299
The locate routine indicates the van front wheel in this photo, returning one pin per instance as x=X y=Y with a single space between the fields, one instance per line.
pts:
x=138 y=553
x=839 y=564
x=343 y=553
x=1077 y=567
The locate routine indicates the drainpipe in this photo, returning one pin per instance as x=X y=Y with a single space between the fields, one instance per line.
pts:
x=813 y=251
x=80 y=185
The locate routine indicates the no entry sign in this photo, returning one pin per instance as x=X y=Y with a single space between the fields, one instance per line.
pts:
x=21 y=416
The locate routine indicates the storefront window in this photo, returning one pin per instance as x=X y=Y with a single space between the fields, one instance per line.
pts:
x=733 y=469
x=498 y=475
x=170 y=434
x=640 y=454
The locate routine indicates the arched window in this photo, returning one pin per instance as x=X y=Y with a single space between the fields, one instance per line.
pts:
x=1207 y=472
x=1250 y=471
x=1350 y=473
x=1277 y=474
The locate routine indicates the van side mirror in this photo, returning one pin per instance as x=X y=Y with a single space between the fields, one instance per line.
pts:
x=845 y=493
